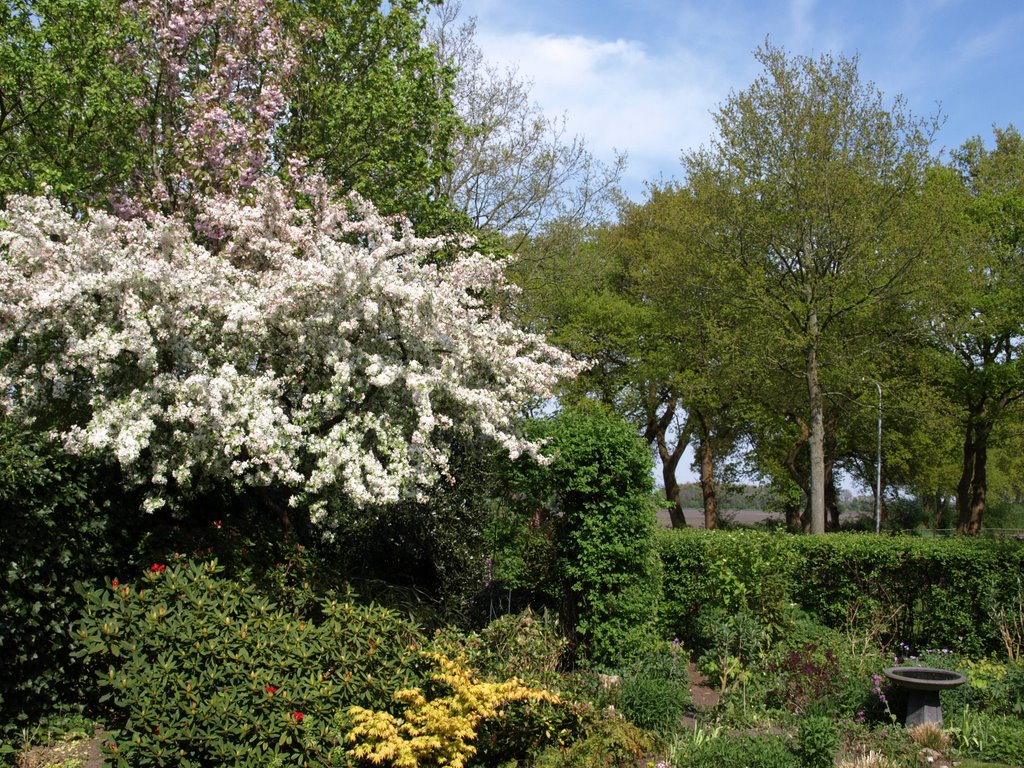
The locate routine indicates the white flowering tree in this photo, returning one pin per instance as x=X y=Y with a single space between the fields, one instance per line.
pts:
x=314 y=350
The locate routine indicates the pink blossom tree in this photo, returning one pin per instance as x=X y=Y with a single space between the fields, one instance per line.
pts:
x=154 y=104
x=214 y=76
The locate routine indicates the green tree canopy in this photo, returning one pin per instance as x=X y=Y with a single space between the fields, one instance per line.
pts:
x=812 y=184
x=981 y=326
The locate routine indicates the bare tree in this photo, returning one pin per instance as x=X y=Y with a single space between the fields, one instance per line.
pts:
x=513 y=167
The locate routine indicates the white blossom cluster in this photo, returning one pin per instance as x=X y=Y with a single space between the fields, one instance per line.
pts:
x=321 y=349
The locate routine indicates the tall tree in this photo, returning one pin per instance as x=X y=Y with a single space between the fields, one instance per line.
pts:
x=66 y=105
x=582 y=294
x=513 y=168
x=650 y=313
x=982 y=323
x=813 y=181
x=370 y=105
x=695 y=327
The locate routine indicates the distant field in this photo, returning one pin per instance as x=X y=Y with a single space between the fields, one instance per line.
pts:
x=695 y=517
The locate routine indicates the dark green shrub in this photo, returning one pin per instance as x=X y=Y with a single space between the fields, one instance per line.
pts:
x=818 y=740
x=523 y=645
x=596 y=492
x=654 y=691
x=523 y=560
x=666 y=661
x=433 y=549
x=806 y=673
x=741 y=751
x=731 y=643
x=930 y=586
x=1007 y=693
x=202 y=670
x=61 y=519
x=524 y=728
x=731 y=571
x=654 y=704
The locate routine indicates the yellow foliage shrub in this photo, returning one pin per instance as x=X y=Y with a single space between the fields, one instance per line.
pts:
x=437 y=731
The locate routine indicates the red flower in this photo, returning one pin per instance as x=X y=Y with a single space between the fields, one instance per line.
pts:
x=271 y=689
x=114 y=583
x=297 y=716
x=157 y=568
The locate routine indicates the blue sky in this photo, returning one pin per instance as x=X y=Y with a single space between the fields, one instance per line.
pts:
x=643 y=76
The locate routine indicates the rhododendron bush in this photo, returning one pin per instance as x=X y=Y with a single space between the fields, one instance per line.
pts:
x=316 y=349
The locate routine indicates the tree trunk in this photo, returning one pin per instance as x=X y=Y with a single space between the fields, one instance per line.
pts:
x=963 y=487
x=709 y=492
x=795 y=516
x=831 y=499
x=972 y=512
x=816 y=506
x=657 y=432
x=675 y=510
x=794 y=522
x=936 y=505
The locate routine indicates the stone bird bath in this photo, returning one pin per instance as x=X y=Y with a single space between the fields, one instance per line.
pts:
x=924 y=684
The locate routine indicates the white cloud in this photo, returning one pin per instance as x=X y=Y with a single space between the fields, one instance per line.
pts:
x=618 y=95
x=801 y=17
x=985 y=44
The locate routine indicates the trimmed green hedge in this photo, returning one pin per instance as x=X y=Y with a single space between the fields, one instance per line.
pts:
x=928 y=593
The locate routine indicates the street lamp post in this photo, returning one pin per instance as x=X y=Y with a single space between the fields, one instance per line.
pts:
x=878 y=464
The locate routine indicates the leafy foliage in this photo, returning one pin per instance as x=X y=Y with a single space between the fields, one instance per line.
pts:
x=61 y=522
x=370 y=106
x=818 y=741
x=992 y=738
x=927 y=588
x=979 y=327
x=596 y=490
x=809 y=671
x=524 y=645
x=809 y=191
x=199 y=669
x=731 y=572
x=154 y=103
x=429 y=552
x=610 y=742
x=739 y=752
x=437 y=724
x=731 y=645
x=654 y=691
x=64 y=96
x=528 y=647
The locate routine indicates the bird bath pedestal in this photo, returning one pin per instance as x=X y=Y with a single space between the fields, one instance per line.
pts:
x=924 y=684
